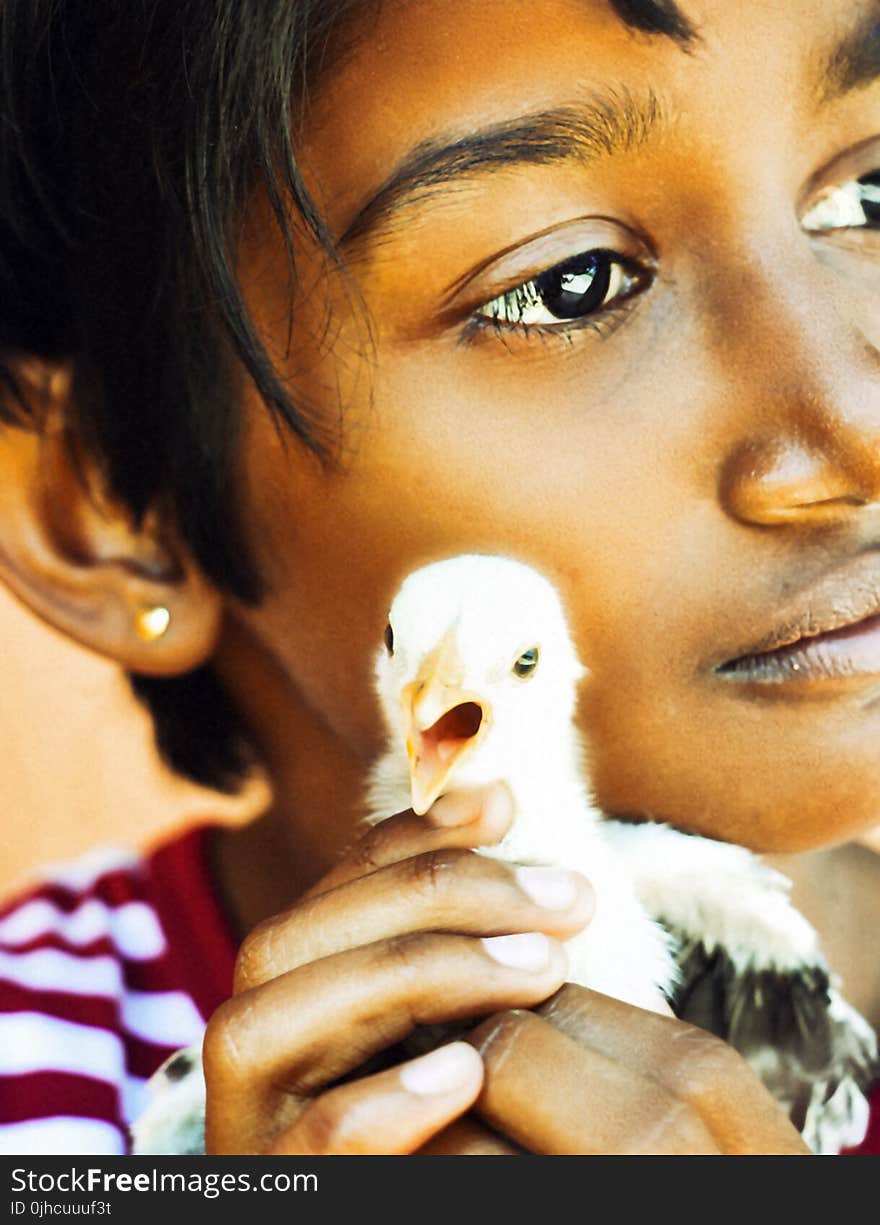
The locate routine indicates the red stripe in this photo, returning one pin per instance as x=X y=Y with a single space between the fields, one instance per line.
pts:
x=177 y=882
x=101 y=946
x=142 y=1057
x=870 y=1146
x=42 y=1095
x=155 y=975
x=115 y=888
x=186 y=901
x=139 y=973
x=95 y=1011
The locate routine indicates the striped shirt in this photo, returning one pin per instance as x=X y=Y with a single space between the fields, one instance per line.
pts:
x=107 y=966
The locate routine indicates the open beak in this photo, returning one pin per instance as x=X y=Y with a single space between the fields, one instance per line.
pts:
x=444 y=724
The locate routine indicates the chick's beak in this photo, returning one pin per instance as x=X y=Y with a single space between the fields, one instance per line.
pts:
x=444 y=724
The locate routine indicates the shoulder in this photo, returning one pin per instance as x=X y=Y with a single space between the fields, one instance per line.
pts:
x=108 y=964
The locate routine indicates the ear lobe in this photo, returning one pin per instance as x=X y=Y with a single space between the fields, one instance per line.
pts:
x=80 y=563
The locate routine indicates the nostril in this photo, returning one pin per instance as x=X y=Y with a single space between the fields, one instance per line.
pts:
x=460 y=723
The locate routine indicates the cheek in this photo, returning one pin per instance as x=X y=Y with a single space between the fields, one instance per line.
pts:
x=436 y=465
x=775 y=781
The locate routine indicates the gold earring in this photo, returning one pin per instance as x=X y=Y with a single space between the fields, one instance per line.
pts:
x=152 y=622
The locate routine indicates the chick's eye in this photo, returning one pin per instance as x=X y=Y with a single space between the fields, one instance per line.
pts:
x=526 y=663
x=852 y=205
x=389 y=639
x=569 y=291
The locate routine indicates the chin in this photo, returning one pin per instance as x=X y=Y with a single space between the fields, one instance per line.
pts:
x=796 y=827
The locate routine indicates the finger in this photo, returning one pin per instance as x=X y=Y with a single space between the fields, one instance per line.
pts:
x=447 y=890
x=698 y=1067
x=467 y=819
x=599 y=1106
x=293 y=1035
x=468 y=1137
x=395 y=1111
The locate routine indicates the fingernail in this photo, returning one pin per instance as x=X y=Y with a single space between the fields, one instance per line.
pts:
x=441 y=1071
x=529 y=951
x=498 y=804
x=552 y=888
x=456 y=808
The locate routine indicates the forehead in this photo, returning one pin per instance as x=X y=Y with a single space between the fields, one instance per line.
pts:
x=419 y=71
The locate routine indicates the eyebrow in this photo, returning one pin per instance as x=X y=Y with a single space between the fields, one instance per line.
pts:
x=855 y=62
x=656 y=17
x=609 y=123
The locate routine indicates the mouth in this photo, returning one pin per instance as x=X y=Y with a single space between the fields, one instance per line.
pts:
x=436 y=751
x=830 y=635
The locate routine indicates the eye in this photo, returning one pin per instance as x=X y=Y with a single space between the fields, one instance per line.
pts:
x=389 y=639
x=581 y=286
x=855 y=204
x=526 y=663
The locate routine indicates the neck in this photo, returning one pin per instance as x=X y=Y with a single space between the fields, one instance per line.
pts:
x=561 y=759
x=838 y=890
x=316 y=783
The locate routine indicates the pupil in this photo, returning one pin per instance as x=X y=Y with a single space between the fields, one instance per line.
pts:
x=527 y=662
x=576 y=288
x=871 y=195
x=389 y=638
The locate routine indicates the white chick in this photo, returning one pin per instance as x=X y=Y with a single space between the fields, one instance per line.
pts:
x=478 y=682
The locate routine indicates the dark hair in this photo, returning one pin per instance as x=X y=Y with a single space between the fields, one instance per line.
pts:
x=131 y=136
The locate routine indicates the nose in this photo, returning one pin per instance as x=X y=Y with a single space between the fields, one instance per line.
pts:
x=785 y=480
x=807 y=448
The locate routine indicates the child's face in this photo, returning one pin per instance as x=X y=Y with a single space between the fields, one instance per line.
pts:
x=686 y=462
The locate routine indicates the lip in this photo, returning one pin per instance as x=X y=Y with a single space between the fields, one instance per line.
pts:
x=830 y=632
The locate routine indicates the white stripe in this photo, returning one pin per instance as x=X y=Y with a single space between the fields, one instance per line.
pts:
x=31 y=1042
x=53 y=970
x=132 y=927
x=78 y=874
x=171 y=1014
x=135 y=1095
x=61 y=1135
x=166 y=1018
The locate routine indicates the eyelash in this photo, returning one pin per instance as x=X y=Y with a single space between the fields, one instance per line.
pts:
x=530 y=294
x=863 y=193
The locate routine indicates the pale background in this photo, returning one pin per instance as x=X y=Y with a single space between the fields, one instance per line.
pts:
x=79 y=767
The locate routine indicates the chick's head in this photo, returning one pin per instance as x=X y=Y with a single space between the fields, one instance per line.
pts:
x=477 y=673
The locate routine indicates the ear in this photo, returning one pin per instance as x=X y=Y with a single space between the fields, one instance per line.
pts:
x=78 y=560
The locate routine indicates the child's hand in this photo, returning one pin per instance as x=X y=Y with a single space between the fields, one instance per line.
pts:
x=394 y=937
x=584 y=1073
x=412 y=927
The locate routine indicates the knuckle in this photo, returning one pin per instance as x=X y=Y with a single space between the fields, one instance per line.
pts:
x=370 y=851
x=500 y=1034
x=253 y=964
x=326 y=1124
x=406 y=955
x=702 y=1063
x=569 y=1005
x=670 y=1127
x=224 y=1043
x=432 y=873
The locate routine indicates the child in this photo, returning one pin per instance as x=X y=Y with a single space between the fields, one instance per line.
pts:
x=297 y=297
